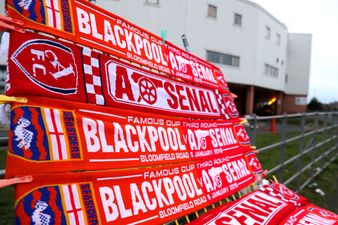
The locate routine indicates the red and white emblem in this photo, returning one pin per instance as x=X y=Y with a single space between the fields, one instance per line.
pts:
x=284 y=191
x=48 y=64
x=254 y=164
x=147 y=90
x=220 y=79
x=241 y=134
x=230 y=107
x=322 y=212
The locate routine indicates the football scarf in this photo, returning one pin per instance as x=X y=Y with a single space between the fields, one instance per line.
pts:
x=65 y=136
x=256 y=208
x=191 y=68
x=281 y=191
x=311 y=215
x=52 y=68
x=139 y=196
x=89 y=25
x=135 y=88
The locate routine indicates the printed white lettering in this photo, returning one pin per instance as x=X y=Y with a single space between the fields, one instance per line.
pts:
x=131 y=138
x=109 y=207
x=150 y=195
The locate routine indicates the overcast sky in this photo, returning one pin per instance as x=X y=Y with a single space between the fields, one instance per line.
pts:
x=320 y=18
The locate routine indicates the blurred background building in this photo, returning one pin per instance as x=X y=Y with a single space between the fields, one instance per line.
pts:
x=264 y=65
x=3 y=59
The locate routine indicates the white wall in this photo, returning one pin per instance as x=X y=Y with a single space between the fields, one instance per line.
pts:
x=221 y=35
x=189 y=17
x=2 y=7
x=169 y=15
x=299 y=60
x=269 y=52
x=3 y=60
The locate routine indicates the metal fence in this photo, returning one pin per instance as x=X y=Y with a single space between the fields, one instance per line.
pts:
x=305 y=144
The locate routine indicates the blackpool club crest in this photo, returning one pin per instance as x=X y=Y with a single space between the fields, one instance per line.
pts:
x=44 y=134
x=66 y=204
x=48 y=64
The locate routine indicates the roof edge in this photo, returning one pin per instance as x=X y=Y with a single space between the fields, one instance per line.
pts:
x=257 y=6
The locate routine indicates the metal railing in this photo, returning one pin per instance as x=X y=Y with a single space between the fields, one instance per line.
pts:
x=305 y=145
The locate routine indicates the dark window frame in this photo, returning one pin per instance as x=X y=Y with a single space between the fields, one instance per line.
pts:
x=212 y=11
x=223 y=58
x=238 y=19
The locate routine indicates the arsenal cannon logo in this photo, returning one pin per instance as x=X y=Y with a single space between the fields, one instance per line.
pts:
x=147 y=90
x=48 y=64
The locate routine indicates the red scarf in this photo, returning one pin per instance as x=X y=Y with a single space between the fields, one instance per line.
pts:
x=56 y=69
x=60 y=136
x=276 y=189
x=134 y=195
x=92 y=26
x=311 y=215
x=255 y=208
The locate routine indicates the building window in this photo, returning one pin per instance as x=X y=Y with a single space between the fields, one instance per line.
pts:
x=267 y=32
x=237 y=19
x=278 y=40
x=222 y=58
x=300 y=100
x=153 y=2
x=212 y=11
x=271 y=71
x=3 y=76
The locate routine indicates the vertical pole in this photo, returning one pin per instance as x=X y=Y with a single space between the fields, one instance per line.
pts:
x=325 y=146
x=336 y=115
x=301 y=151
x=250 y=98
x=282 y=148
x=280 y=103
x=315 y=134
x=185 y=42
x=273 y=126
x=253 y=140
x=330 y=133
x=333 y=134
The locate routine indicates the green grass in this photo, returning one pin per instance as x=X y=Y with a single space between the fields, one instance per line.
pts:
x=6 y=197
x=327 y=180
x=7 y=212
x=3 y=155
